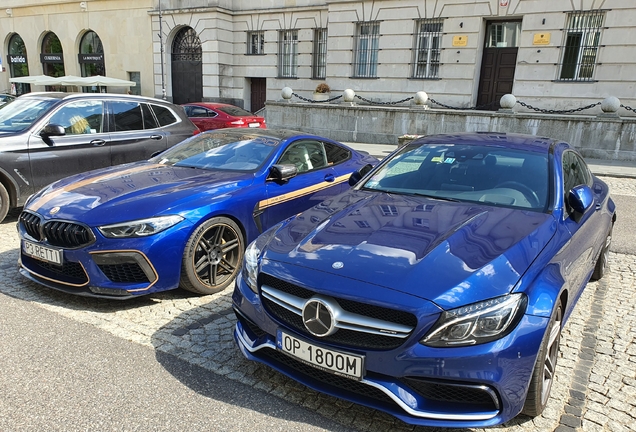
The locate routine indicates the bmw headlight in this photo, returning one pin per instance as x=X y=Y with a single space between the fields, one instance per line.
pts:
x=477 y=323
x=139 y=228
x=252 y=256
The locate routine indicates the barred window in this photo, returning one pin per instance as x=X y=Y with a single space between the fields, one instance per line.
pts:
x=427 y=48
x=256 y=42
x=582 y=37
x=319 y=60
x=366 y=50
x=288 y=54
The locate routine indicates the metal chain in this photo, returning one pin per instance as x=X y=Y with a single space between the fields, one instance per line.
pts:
x=478 y=107
x=315 y=101
x=558 y=111
x=628 y=108
x=385 y=103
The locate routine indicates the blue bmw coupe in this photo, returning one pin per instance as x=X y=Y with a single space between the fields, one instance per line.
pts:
x=180 y=219
x=436 y=288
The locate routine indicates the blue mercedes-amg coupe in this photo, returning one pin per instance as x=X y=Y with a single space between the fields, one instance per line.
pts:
x=436 y=288
x=180 y=219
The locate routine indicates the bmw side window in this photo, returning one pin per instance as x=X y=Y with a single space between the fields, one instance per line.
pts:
x=149 y=118
x=127 y=116
x=164 y=115
x=336 y=154
x=80 y=117
x=299 y=154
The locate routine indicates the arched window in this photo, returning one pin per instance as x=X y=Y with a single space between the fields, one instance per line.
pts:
x=52 y=59
x=91 y=59
x=186 y=46
x=18 y=65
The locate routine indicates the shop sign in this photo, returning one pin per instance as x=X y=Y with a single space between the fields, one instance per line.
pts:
x=91 y=58
x=15 y=59
x=51 y=58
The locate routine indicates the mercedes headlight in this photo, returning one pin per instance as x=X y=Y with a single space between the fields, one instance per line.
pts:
x=252 y=257
x=139 y=228
x=477 y=323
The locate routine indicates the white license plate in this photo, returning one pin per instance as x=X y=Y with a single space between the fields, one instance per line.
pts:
x=42 y=252
x=339 y=363
x=254 y=124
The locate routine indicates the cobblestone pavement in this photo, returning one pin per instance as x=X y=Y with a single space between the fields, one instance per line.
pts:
x=595 y=388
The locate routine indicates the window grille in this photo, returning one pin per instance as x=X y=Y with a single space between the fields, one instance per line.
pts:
x=427 y=48
x=256 y=42
x=288 y=54
x=187 y=46
x=319 y=64
x=580 y=51
x=366 y=50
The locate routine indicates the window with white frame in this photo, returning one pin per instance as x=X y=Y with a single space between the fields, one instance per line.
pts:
x=367 y=39
x=288 y=54
x=319 y=60
x=427 y=48
x=255 y=42
x=580 y=50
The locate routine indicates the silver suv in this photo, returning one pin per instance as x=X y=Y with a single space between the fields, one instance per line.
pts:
x=47 y=136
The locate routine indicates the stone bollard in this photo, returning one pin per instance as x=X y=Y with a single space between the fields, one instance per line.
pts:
x=610 y=106
x=348 y=96
x=507 y=103
x=420 y=100
x=286 y=93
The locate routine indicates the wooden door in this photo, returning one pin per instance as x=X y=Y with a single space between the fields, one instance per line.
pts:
x=259 y=94
x=497 y=76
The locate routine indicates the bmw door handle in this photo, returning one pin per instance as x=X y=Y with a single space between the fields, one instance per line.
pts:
x=155 y=137
x=98 y=142
x=329 y=178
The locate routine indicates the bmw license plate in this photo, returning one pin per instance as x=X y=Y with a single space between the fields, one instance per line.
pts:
x=328 y=360
x=254 y=124
x=42 y=252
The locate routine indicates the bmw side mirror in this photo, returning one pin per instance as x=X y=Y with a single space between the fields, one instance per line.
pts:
x=282 y=172
x=52 y=129
x=356 y=176
x=580 y=200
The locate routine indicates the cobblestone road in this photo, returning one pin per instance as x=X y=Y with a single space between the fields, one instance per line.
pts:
x=595 y=388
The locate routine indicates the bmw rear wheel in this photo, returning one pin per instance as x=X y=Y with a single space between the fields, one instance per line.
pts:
x=212 y=256
x=545 y=366
x=4 y=202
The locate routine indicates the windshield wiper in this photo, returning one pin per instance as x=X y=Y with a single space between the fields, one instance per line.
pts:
x=436 y=197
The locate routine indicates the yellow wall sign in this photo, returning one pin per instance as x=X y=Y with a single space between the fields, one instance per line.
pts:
x=541 y=39
x=460 y=41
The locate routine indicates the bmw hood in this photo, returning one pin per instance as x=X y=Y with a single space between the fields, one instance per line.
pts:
x=441 y=251
x=102 y=196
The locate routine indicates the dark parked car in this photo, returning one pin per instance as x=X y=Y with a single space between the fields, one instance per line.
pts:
x=212 y=115
x=182 y=218
x=436 y=288
x=47 y=136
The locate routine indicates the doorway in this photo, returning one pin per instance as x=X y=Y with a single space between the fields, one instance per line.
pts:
x=187 y=67
x=498 y=63
x=258 y=94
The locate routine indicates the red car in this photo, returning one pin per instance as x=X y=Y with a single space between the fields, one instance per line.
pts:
x=212 y=115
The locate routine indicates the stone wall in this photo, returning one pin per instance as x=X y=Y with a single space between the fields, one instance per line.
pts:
x=611 y=138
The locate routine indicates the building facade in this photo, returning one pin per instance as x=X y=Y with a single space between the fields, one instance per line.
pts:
x=462 y=53
x=80 y=38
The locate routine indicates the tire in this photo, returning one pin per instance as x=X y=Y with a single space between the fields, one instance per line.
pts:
x=601 y=263
x=545 y=366
x=212 y=257
x=4 y=202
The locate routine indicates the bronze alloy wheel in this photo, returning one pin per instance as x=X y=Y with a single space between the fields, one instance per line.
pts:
x=212 y=257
